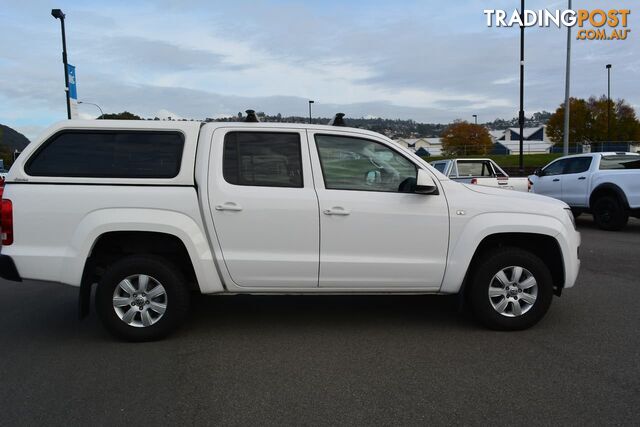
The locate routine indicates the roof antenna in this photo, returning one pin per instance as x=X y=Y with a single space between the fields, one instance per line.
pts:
x=338 y=120
x=251 y=116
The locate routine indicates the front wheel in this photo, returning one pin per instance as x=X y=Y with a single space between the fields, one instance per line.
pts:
x=142 y=298
x=511 y=290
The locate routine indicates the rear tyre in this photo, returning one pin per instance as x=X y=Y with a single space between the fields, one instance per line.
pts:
x=142 y=298
x=511 y=290
x=609 y=213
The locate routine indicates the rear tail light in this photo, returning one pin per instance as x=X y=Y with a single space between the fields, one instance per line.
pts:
x=6 y=222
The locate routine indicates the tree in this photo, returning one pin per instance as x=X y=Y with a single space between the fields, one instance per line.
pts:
x=588 y=121
x=579 y=119
x=464 y=138
x=125 y=115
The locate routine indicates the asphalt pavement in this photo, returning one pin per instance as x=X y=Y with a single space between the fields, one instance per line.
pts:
x=327 y=360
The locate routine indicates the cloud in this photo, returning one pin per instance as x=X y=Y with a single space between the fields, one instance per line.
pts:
x=157 y=56
x=420 y=60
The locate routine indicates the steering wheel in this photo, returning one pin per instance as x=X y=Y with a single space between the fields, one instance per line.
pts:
x=374 y=163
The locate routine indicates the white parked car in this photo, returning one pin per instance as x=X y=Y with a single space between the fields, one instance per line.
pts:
x=481 y=172
x=152 y=211
x=604 y=184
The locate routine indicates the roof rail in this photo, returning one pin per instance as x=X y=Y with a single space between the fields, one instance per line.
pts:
x=338 y=120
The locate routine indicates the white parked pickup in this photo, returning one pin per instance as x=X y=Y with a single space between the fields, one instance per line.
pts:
x=481 y=172
x=150 y=212
x=604 y=184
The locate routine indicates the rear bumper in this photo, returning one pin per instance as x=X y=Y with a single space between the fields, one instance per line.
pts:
x=8 y=269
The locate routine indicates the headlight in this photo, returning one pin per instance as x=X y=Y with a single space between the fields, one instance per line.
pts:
x=571 y=217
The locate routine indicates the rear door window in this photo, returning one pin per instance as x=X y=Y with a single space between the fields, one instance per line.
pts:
x=109 y=154
x=620 y=162
x=264 y=159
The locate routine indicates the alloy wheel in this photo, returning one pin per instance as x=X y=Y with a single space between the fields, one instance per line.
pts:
x=513 y=291
x=140 y=300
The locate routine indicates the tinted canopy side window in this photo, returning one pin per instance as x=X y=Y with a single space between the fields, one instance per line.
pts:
x=359 y=164
x=266 y=159
x=109 y=154
x=555 y=168
x=578 y=165
x=474 y=169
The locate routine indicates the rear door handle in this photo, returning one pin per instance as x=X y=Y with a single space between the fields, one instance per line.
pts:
x=556 y=179
x=337 y=210
x=583 y=177
x=228 y=206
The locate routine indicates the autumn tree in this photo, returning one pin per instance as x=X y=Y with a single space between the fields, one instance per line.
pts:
x=588 y=121
x=464 y=138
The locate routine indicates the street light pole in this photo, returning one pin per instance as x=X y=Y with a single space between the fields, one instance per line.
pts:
x=57 y=14
x=310 y=102
x=609 y=102
x=91 y=103
x=475 y=117
x=567 y=100
x=521 y=114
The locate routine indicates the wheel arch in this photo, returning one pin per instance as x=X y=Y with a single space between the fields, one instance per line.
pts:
x=518 y=229
x=543 y=246
x=127 y=231
x=608 y=189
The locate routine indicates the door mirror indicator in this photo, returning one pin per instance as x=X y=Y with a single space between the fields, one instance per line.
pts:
x=425 y=184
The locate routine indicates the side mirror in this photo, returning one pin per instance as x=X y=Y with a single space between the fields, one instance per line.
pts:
x=538 y=172
x=425 y=184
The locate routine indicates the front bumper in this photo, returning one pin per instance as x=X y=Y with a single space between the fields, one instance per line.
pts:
x=8 y=269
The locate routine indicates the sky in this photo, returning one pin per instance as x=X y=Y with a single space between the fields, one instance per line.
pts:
x=430 y=61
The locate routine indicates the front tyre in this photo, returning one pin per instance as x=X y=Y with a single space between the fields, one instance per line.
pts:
x=511 y=290
x=142 y=298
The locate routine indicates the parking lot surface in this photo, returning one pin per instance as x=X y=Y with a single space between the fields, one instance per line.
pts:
x=313 y=360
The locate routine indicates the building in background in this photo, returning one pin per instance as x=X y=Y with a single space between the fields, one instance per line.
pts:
x=506 y=141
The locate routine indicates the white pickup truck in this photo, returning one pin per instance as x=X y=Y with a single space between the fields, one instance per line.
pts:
x=481 y=172
x=153 y=211
x=604 y=184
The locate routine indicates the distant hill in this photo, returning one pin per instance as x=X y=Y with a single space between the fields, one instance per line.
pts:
x=12 y=139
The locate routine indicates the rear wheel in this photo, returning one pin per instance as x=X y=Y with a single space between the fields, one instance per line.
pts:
x=511 y=289
x=609 y=213
x=142 y=298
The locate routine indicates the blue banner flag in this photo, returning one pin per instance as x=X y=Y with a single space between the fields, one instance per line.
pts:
x=73 y=92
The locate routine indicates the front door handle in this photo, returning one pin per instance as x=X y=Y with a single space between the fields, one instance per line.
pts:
x=337 y=210
x=583 y=177
x=556 y=179
x=229 y=206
